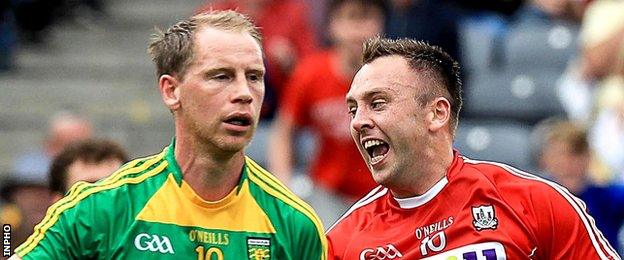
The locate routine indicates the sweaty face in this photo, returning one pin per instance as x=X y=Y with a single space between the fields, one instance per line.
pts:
x=222 y=90
x=388 y=124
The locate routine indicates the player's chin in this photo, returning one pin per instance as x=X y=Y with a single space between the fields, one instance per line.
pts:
x=382 y=177
x=235 y=144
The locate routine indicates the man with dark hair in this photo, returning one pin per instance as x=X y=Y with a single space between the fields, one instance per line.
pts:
x=434 y=203
x=89 y=160
x=201 y=197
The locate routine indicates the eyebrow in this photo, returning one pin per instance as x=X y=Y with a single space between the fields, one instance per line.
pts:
x=214 y=71
x=217 y=70
x=256 y=70
x=372 y=92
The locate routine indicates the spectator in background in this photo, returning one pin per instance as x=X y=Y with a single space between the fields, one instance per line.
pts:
x=27 y=198
x=63 y=129
x=433 y=21
x=548 y=10
x=565 y=158
x=89 y=160
x=602 y=63
x=288 y=37
x=314 y=98
x=26 y=189
x=592 y=90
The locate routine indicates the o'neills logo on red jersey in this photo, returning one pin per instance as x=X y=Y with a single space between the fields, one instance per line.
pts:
x=425 y=231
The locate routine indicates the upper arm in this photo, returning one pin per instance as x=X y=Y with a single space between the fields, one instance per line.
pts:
x=65 y=232
x=566 y=230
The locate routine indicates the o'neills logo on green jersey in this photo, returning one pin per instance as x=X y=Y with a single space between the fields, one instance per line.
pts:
x=258 y=248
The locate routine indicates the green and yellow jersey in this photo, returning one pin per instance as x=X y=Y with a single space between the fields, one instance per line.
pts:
x=146 y=210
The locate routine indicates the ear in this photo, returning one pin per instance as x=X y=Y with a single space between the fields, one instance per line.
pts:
x=440 y=115
x=169 y=88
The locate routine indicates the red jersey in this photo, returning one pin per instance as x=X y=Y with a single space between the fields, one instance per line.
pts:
x=480 y=210
x=315 y=98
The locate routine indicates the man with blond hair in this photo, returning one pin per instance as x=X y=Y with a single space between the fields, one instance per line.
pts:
x=201 y=197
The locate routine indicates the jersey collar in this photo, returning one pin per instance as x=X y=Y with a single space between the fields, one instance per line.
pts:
x=417 y=201
x=175 y=169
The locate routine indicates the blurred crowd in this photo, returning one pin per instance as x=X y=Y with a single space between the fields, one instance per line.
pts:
x=28 y=22
x=544 y=92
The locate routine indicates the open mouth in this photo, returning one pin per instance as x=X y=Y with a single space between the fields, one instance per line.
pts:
x=376 y=149
x=239 y=120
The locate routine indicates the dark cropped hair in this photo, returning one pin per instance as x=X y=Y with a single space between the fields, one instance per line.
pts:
x=423 y=58
x=90 y=151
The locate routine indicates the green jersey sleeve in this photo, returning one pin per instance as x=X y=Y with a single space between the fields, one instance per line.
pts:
x=67 y=230
x=308 y=241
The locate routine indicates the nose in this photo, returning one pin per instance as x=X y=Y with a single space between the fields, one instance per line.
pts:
x=242 y=92
x=361 y=121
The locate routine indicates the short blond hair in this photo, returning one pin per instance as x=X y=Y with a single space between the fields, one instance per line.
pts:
x=172 y=50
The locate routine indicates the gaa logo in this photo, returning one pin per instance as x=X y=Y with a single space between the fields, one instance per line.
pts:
x=385 y=252
x=153 y=243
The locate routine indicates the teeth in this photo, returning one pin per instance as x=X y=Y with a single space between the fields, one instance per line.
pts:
x=371 y=143
x=377 y=159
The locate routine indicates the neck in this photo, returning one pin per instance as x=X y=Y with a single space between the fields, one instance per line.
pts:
x=426 y=170
x=211 y=175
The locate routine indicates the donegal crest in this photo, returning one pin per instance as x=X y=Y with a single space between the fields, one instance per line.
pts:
x=484 y=217
x=258 y=248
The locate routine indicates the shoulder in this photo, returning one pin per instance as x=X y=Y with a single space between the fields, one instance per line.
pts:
x=512 y=182
x=284 y=209
x=529 y=195
x=358 y=216
x=88 y=197
x=275 y=196
x=89 y=208
x=547 y=208
x=136 y=174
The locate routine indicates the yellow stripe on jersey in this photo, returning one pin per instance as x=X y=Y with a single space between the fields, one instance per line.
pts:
x=149 y=161
x=80 y=186
x=274 y=187
x=77 y=194
x=278 y=185
x=181 y=206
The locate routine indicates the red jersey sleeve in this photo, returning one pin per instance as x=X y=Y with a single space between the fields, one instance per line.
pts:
x=337 y=237
x=564 y=229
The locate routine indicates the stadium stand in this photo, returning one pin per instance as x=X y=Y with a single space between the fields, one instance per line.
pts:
x=101 y=70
